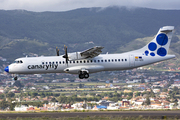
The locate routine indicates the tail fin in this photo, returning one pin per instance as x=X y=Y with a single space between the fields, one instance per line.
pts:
x=159 y=46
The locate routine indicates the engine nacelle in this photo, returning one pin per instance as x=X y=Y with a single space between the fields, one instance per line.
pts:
x=75 y=56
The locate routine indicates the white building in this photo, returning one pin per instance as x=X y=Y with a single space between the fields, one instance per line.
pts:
x=102 y=86
x=21 y=108
x=112 y=106
x=2 y=90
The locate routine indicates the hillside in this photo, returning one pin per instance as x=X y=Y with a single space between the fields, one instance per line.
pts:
x=23 y=32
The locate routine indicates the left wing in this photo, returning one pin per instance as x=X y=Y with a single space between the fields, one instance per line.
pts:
x=92 y=52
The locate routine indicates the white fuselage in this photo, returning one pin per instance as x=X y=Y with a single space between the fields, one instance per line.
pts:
x=103 y=62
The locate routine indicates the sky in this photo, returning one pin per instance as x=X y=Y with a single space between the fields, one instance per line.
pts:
x=65 y=5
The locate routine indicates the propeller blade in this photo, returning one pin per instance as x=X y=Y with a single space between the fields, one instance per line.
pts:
x=57 y=51
x=66 y=54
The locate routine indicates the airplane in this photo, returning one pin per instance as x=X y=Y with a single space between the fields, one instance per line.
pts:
x=92 y=61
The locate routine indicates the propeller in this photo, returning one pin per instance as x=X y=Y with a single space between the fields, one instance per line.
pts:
x=66 y=54
x=57 y=51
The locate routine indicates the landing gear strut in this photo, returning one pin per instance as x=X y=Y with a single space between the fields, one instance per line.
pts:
x=15 y=76
x=83 y=74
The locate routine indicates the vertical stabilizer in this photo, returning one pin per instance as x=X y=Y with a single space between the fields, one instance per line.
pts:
x=159 y=46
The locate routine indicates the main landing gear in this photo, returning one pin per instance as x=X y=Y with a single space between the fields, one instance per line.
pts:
x=83 y=74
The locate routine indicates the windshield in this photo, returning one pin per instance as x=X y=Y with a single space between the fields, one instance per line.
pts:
x=18 y=61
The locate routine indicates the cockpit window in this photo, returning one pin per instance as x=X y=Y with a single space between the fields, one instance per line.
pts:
x=18 y=61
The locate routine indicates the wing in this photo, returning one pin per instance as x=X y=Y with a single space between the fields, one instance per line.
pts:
x=92 y=52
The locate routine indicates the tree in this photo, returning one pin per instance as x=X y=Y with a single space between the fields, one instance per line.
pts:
x=10 y=94
x=165 y=90
x=175 y=89
x=42 y=94
x=3 y=104
x=93 y=94
x=138 y=93
x=45 y=102
x=34 y=94
x=152 y=94
x=12 y=106
x=54 y=100
x=147 y=101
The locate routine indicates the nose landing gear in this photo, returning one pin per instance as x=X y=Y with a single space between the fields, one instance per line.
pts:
x=15 y=78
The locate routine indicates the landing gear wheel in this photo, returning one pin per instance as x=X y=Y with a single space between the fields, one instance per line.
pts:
x=86 y=75
x=15 y=78
x=81 y=76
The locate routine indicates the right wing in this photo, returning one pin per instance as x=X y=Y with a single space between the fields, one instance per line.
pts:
x=92 y=52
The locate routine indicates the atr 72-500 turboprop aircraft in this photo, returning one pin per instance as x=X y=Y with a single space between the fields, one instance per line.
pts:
x=91 y=61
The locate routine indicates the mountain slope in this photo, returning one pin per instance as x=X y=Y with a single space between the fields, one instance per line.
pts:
x=32 y=32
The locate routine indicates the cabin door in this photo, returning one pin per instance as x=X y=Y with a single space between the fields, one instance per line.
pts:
x=131 y=60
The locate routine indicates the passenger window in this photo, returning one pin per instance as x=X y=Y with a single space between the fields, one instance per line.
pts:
x=84 y=61
x=91 y=60
x=112 y=60
x=87 y=61
x=109 y=60
x=122 y=60
x=43 y=63
x=101 y=60
x=77 y=61
x=56 y=62
x=46 y=63
x=125 y=59
x=52 y=62
x=98 y=60
x=80 y=61
x=49 y=62
x=105 y=60
x=94 y=60
x=59 y=62
x=69 y=61
x=115 y=60
x=73 y=61
x=63 y=62
x=119 y=60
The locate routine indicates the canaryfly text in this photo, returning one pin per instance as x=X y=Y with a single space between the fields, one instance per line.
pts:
x=46 y=67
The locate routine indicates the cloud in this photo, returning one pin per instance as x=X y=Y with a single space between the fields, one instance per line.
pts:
x=64 y=5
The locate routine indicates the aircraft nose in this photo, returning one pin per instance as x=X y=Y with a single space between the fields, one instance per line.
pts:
x=6 y=69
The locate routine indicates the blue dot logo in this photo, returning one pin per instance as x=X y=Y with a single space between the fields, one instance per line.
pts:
x=152 y=46
x=161 y=52
x=162 y=39
x=152 y=54
x=146 y=52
